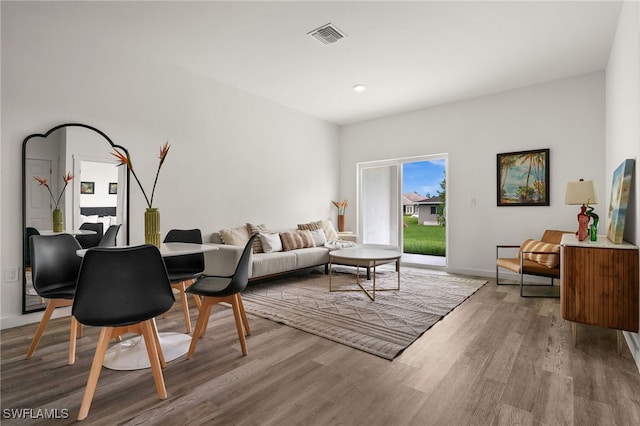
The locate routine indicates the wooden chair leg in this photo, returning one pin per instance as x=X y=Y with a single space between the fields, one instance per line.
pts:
x=198 y=301
x=147 y=329
x=201 y=325
x=73 y=335
x=156 y=338
x=185 y=307
x=40 y=330
x=94 y=373
x=51 y=306
x=245 y=320
x=235 y=304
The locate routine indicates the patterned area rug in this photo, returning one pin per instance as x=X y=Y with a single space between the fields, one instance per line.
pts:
x=384 y=327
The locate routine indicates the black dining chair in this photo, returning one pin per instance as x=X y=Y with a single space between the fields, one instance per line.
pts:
x=184 y=270
x=215 y=289
x=122 y=289
x=109 y=237
x=92 y=240
x=54 y=270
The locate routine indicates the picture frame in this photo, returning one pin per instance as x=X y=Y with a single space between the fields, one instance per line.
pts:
x=87 y=187
x=620 y=188
x=523 y=178
x=113 y=187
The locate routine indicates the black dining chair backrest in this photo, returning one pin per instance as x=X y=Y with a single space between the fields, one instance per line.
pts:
x=187 y=266
x=92 y=240
x=237 y=282
x=109 y=237
x=55 y=265
x=119 y=286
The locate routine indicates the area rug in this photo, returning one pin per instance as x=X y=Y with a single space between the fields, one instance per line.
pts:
x=384 y=327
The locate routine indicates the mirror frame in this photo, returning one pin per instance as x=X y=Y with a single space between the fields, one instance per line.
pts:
x=24 y=200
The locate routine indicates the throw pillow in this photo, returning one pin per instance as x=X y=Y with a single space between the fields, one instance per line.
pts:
x=311 y=226
x=549 y=260
x=256 y=229
x=329 y=230
x=271 y=243
x=238 y=236
x=296 y=240
x=319 y=238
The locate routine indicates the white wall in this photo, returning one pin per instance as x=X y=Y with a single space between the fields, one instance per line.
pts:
x=230 y=151
x=566 y=116
x=622 y=118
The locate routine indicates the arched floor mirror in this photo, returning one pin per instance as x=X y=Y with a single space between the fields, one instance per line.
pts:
x=98 y=192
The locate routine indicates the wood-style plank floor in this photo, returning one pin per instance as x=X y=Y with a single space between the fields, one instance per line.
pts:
x=496 y=359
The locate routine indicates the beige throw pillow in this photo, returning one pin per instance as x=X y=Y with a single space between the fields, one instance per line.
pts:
x=238 y=236
x=329 y=230
x=271 y=243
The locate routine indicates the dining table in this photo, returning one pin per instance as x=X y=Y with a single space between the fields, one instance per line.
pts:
x=69 y=231
x=131 y=354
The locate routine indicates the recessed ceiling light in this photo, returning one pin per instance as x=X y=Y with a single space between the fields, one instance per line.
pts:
x=359 y=88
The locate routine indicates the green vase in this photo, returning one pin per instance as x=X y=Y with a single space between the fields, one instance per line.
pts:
x=58 y=220
x=152 y=226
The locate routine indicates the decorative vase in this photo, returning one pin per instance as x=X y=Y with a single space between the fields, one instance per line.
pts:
x=152 y=226
x=593 y=232
x=341 y=223
x=58 y=220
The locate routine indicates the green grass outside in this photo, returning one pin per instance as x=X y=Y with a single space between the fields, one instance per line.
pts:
x=424 y=239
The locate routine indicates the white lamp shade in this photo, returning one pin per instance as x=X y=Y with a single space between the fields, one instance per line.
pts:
x=581 y=192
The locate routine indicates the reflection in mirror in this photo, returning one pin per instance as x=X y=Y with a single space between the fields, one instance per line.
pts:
x=98 y=192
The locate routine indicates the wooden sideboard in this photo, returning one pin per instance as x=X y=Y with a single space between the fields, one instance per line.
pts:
x=599 y=284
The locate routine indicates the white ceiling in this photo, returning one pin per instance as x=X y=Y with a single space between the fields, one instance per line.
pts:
x=410 y=54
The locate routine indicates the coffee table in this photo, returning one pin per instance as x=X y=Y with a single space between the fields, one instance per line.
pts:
x=365 y=256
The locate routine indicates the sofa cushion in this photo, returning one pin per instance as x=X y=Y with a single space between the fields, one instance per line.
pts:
x=264 y=264
x=312 y=256
x=256 y=229
x=271 y=243
x=238 y=236
x=293 y=240
x=549 y=260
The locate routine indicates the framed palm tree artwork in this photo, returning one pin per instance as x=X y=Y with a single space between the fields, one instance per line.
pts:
x=523 y=178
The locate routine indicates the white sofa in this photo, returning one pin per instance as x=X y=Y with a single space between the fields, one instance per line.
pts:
x=222 y=262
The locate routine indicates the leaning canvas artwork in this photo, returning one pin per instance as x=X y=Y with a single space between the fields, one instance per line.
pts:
x=523 y=178
x=619 y=199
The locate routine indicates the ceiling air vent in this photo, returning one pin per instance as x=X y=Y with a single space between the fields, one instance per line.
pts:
x=327 y=34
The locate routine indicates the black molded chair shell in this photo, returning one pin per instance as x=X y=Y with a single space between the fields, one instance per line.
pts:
x=215 y=286
x=109 y=237
x=55 y=265
x=187 y=267
x=119 y=286
x=28 y=232
x=88 y=241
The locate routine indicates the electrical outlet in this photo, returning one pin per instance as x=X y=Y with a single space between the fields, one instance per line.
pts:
x=11 y=274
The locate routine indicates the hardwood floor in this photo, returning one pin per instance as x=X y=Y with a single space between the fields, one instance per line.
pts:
x=496 y=359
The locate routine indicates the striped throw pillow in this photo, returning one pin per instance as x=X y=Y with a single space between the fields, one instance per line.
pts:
x=296 y=240
x=256 y=229
x=549 y=260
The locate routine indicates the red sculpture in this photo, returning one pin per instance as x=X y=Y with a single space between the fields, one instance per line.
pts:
x=583 y=223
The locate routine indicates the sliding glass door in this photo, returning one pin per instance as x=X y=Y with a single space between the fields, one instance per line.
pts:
x=380 y=203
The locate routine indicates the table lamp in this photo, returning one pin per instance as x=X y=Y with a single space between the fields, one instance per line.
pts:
x=584 y=193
